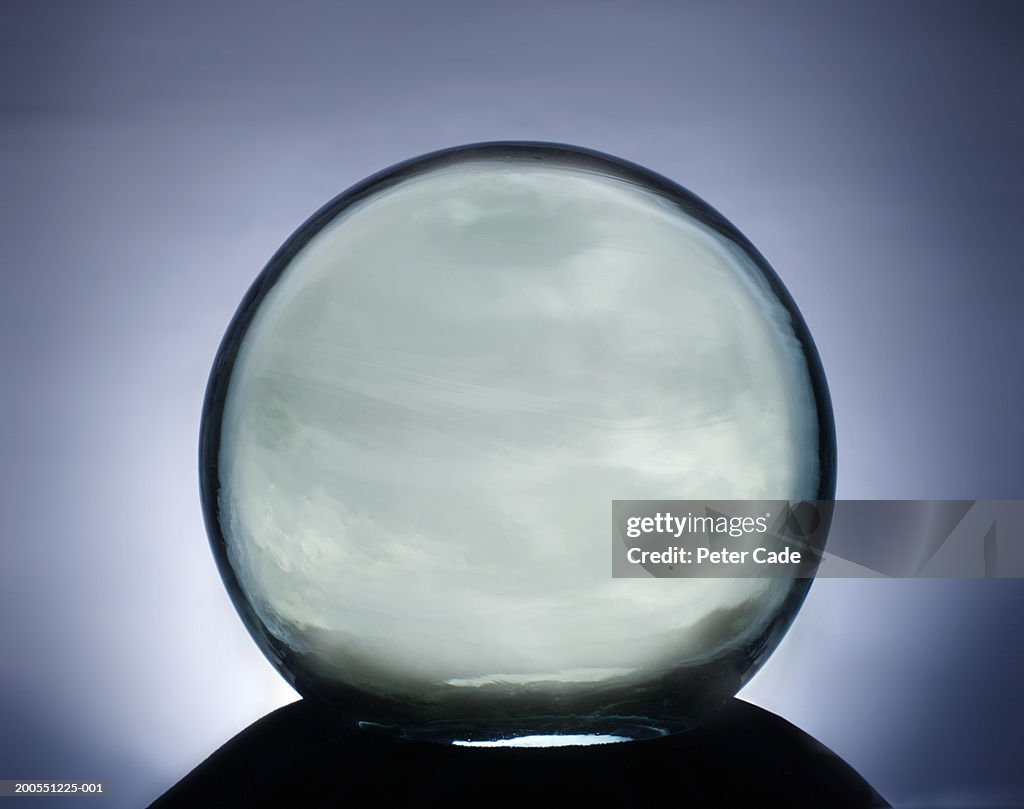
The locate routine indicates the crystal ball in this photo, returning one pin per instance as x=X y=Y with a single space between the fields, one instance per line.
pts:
x=419 y=417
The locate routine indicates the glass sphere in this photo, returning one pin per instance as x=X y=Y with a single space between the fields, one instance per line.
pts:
x=425 y=405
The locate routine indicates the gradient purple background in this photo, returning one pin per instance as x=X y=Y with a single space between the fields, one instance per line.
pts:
x=155 y=155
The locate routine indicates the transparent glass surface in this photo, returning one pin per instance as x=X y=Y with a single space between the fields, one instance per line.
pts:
x=421 y=413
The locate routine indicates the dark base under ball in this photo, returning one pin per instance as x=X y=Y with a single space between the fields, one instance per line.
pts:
x=742 y=756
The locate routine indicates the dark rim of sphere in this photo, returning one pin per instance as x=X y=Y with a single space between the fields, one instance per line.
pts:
x=508 y=151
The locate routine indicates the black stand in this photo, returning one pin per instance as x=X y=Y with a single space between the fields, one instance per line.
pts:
x=741 y=757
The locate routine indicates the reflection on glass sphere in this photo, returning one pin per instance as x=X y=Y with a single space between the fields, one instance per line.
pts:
x=425 y=405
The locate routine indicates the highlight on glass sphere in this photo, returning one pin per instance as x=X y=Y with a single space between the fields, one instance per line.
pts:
x=424 y=407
